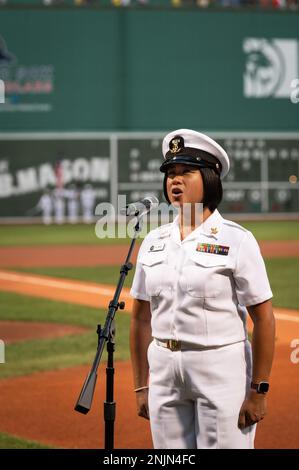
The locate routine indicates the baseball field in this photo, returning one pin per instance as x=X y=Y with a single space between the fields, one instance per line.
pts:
x=55 y=285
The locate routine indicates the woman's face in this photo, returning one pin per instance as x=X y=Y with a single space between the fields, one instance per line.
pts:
x=184 y=184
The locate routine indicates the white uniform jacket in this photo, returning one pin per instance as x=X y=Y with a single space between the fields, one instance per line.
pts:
x=199 y=288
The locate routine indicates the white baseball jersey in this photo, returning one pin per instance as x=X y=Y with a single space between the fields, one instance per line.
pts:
x=199 y=287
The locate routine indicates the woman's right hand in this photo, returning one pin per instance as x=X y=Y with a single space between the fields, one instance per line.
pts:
x=142 y=403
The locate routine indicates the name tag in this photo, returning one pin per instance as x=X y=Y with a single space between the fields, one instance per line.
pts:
x=159 y=247
x=215 y=249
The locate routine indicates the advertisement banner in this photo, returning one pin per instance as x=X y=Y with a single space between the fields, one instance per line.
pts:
x=149 y=70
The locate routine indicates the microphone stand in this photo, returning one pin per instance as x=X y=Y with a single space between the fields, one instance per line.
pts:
x=107 y=334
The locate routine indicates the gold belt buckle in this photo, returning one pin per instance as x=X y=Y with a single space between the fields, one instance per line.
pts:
x=173 y=345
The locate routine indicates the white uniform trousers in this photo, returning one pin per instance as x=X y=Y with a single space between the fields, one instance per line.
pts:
x=195 y=397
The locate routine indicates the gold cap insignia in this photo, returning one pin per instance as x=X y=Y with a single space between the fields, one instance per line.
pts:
x=214 y=230
x=176 y=144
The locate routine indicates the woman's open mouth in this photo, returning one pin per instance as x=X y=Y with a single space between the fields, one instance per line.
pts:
x=176 y=192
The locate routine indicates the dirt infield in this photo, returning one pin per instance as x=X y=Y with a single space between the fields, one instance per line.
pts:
x=78 y=255
x=40 y=406
x=17 y=331
x=279 y=430
x=28 y=400
x=54 y=393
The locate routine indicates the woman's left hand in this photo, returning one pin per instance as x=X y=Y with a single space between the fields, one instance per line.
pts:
x=253 y=409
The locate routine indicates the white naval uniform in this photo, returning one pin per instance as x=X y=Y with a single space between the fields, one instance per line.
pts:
x=88 y=198
x=45 y=204
x=72 y=205
x=199 y=298
x=59 y=205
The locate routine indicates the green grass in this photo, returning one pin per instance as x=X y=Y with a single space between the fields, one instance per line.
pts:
x=11 y=442
x=39 y=355
x=273 y=230
x=99 y=274
x=29 y=235
x=283 y=276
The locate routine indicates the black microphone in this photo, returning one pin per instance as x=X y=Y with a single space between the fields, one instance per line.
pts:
x=141 y=207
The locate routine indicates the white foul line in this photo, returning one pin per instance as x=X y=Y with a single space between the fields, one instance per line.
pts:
x=38 y=281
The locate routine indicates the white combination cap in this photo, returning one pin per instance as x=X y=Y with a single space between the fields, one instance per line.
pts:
x=194 y=148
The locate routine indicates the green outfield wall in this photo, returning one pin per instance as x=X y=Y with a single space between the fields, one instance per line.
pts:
x=148 y=69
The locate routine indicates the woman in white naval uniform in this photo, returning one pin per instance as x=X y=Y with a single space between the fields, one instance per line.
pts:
x=195 y=376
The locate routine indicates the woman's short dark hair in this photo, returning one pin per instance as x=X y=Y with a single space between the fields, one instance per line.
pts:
x=212 y=188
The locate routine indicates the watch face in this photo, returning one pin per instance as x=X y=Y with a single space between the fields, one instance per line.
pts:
x=263 y=387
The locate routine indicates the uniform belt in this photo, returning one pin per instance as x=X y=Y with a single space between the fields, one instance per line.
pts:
x=175 y=345
x=171 y=344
